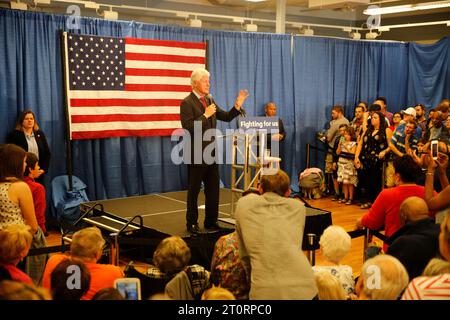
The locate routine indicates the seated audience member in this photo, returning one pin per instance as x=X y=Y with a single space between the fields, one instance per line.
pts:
x=417 y=242
x=63 y=284
x=436 y=267
x=441 y=200
x=15 y=241
x=335 y=244
x=14 y=290
x=87 y=246
x=227 y=270
x=329 y=287
x=386 y=206
x=33 y=171
x=382 y=277
x=171 y=258
x=434 y=287
x=217 y=293
x=108 y=294
x=270 y=230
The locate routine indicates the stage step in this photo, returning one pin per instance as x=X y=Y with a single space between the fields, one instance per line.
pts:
x=110 y=224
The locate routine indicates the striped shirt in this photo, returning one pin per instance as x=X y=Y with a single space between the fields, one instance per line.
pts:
x=428 y=288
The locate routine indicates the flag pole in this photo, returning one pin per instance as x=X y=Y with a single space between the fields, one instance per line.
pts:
x=67 y=104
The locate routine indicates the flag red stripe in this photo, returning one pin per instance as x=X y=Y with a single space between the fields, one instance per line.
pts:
x=125 y=102
x=157 y=72
x=163 y=57
x=120 y=133
x=124 y=118
x=158 y=87
x=166 y=43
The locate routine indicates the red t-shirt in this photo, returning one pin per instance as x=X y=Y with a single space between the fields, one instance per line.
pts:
x=385 y=209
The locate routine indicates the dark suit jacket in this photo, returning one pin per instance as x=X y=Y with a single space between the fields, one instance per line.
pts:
x=192 y=110
x=17 y=137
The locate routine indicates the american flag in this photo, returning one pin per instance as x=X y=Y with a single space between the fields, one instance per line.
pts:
x=118 y=87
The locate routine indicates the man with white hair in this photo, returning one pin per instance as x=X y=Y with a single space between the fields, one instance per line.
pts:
x=382 y=278
x=199 y=110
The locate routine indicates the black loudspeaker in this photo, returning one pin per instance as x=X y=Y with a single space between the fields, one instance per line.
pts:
x=317 y=220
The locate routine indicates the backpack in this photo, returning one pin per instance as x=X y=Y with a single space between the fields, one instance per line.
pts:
x=312 y=183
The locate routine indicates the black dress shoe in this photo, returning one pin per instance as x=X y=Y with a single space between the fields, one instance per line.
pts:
x=213 y=226
x=193 y=228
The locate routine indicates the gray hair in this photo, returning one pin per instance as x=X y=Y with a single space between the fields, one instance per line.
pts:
x=335 y=243
x=87 y=243
x=384 y=278
x=197 y=74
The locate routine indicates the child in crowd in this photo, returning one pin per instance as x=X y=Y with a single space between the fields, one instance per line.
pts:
x=335 y=243
x=32 y=172
x=347 y=174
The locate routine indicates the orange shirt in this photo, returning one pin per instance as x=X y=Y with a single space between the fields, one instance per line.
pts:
x=102 y=275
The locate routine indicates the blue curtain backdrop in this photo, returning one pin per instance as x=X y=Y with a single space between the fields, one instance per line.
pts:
x=304 y=81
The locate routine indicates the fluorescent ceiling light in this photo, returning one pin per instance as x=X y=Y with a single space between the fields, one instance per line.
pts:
x=255 y=0
x=387 y=10
x=432 y=5
x=42 y=1
x=18 y=5
x=406 y=8
x=91 y=5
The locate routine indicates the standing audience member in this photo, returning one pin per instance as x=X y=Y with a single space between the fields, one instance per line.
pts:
x=370 y=154
x=396 y=121
x=358 y=120
x=382 y=277
x=63 y=284
x=442 y=200
x=420 y=117
x=416 y=242
x=335 y=244
x=270 y=230
x=31 y=138
x=87 y=246
x=382 y=101
x=32 y=172
x=385 y=210
x=16 y=205
x=15 y=241
x=437 y=287
x=338 y=120
x=347 y=174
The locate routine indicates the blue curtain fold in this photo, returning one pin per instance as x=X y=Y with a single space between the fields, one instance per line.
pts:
x=304 y=76
x=429 y=73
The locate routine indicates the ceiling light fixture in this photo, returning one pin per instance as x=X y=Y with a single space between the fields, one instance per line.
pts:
x=251 y=27
x=371 y=35
x=110 y=15
x=195 y=23
x=17 y=5
x=406 y=8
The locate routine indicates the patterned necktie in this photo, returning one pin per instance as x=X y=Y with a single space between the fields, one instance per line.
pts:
x=203 y=101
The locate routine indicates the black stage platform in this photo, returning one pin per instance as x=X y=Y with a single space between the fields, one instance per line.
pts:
x=164 y=215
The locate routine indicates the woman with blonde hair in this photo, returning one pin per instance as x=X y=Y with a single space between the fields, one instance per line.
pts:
x=329 y=286
x=15 y=241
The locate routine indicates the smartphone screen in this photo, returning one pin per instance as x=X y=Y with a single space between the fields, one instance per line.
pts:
x=434 y=149
x=129 y=290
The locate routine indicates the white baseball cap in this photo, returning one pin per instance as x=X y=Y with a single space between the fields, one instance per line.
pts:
x=411 y=111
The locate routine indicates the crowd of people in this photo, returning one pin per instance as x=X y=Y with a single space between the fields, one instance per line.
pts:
x=382 y=158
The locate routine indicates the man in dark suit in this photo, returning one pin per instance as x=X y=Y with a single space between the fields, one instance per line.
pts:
x=199 y=113
x=271 y=111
